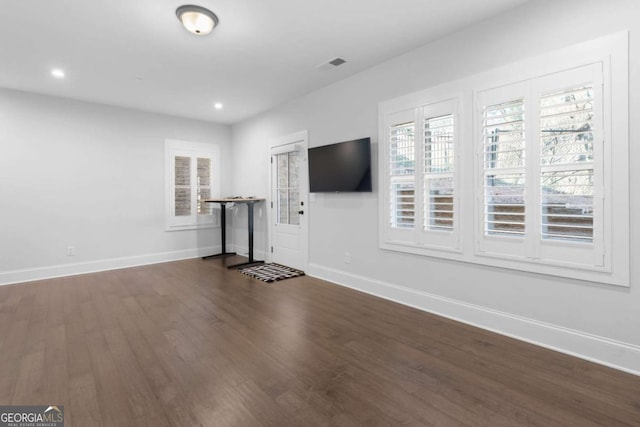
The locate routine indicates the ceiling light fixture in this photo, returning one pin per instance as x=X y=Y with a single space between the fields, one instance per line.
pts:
x=196 y=19
x=218 y=105
x=57 y=73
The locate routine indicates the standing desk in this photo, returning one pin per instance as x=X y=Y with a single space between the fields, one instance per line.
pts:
x=249 y=201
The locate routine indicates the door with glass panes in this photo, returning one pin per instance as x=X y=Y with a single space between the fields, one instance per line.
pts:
x=289 y=181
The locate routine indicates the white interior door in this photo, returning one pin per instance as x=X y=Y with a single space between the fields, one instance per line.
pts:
x=289 y=201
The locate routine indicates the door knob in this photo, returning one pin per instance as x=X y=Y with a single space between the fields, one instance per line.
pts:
x=301 y=212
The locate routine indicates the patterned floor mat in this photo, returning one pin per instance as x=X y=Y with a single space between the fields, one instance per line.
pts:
x=271 y=272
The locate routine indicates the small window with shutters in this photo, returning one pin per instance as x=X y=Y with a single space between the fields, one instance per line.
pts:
x=192 y=177
x=204 y=183
x=402 y=168
x=439 y=160
x=504 y=169
x=420 y=153
x=567 y=164
x=438 y=173
x=182 y=185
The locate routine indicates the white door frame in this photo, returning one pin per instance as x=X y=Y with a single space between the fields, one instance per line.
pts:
x=301 y=139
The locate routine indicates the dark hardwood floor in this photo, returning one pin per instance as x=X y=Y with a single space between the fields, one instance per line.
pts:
x=191 y=343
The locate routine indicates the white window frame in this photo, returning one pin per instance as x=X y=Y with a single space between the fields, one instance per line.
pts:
x=439 y=239
x=567 y=251
x=609 y=262
x=531 y=247
x=193 y=150
x=392 y=234
x=503 y=247
x=418 y=239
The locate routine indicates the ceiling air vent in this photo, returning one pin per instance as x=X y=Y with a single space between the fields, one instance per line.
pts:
x=337 y=61
x=331 y=64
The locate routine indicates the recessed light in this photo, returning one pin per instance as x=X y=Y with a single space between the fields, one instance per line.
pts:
x=197 y=19
x=218 y=106
x=57 y=73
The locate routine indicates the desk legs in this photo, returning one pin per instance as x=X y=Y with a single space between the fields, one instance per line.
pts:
x=223 y=233
x=251 y=261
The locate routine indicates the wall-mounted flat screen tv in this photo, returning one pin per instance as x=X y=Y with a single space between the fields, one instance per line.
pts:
x=341 y=167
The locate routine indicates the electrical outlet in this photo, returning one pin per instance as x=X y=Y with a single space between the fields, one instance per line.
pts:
x=71 y=251
x=347 y=257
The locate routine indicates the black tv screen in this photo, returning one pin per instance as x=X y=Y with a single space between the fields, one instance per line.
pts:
x=341 y=167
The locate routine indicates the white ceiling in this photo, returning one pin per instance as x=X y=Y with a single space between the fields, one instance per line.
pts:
x=136 y=54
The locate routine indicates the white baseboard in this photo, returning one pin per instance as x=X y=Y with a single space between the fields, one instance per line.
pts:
x=49 y=272
x=611 y=353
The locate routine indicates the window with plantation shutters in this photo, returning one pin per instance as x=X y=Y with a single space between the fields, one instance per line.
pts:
x=439 y=168
x=182 y=188
x=567 y=164
x=183 y=185
x=504 y=168
x=439 y=180
x=421 y=207
x=402 y=167
x=539 y=164
x=191 y=178
x=524 y=166
x=572 y=173
x=204 y=183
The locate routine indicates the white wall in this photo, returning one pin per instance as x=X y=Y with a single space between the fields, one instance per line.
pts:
x=594 y=321
x=89 y=176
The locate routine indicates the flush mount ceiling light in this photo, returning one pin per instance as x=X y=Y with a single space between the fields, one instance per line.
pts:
x=57 y=73
x=196 y=19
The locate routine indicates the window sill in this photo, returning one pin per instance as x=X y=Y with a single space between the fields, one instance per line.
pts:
x=190 y=227
x=603 y=275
